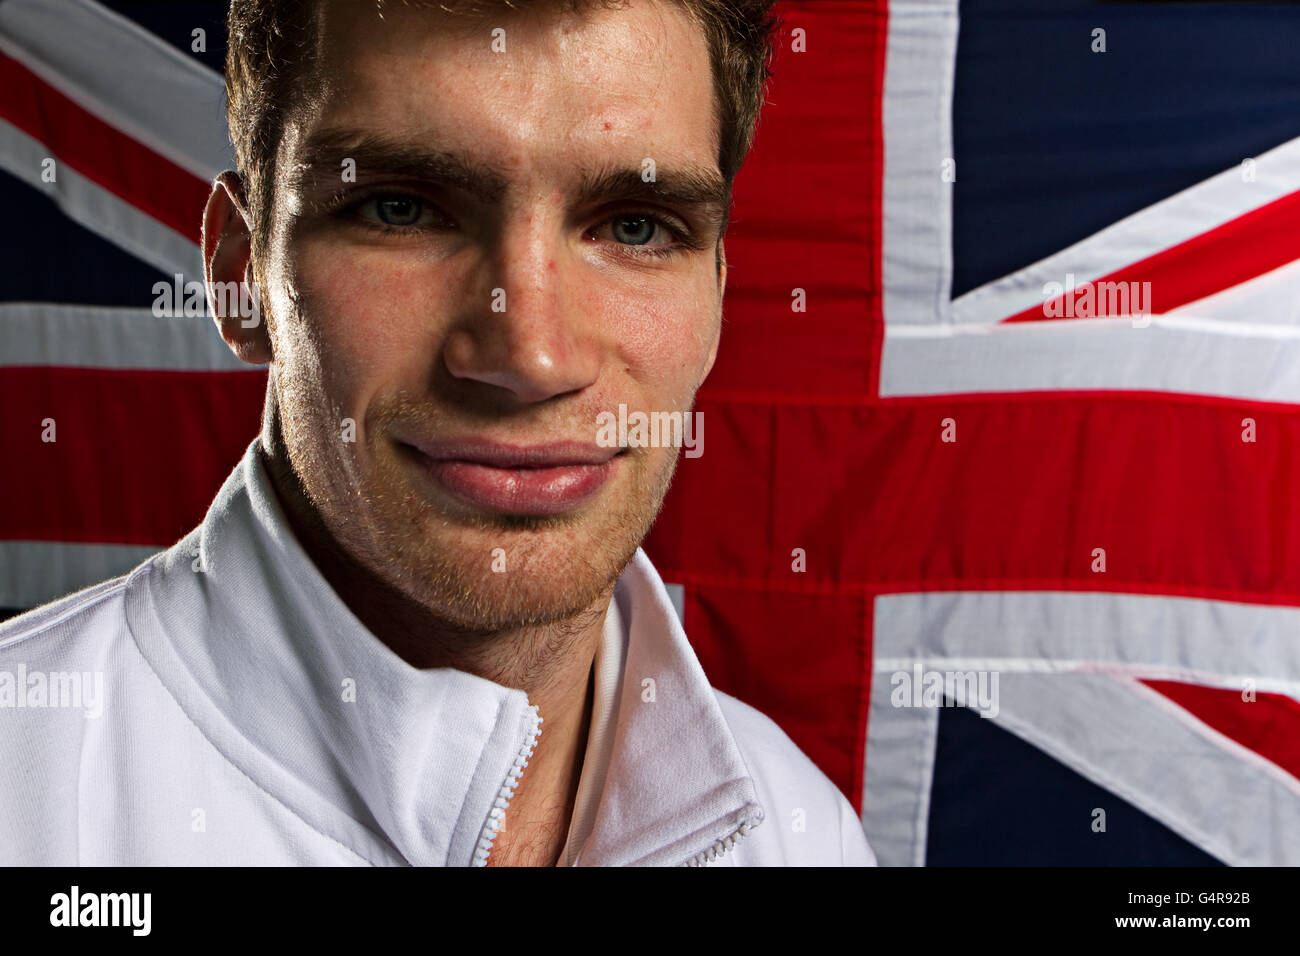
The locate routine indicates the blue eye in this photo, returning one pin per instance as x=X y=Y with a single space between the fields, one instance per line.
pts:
x=398 y=210
x=636 y=230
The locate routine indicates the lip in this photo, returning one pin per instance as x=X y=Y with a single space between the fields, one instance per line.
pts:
x=513 y=479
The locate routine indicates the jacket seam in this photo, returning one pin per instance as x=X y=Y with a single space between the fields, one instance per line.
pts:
x=86 y=604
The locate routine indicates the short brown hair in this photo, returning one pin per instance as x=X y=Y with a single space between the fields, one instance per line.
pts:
x=271 y=41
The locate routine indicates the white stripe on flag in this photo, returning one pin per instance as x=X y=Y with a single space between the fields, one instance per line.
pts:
x=1068 y=665
x=899 y=776
x=1258 y=361
x=917 y=121
x=1149 y=635
x=1174 y=220
x=1144 y=748
x=126 y=76
x=1269 y=299
x=98 y=209
x=37 y=572
x=107 y=337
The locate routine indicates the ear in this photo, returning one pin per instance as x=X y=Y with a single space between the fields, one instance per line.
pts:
x=228 y=273
x=722 y=291
x=722 y=270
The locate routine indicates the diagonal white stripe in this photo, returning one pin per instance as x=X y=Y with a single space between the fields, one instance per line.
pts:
x=1068 y=665
x=1127 y=738
x=126 y=76
x=1269 y=299
x=1180 y=217
x=98 y=209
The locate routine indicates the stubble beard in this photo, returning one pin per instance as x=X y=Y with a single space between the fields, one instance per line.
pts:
x=555 y=568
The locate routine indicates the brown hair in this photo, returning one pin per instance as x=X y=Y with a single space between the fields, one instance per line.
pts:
x=271 y=44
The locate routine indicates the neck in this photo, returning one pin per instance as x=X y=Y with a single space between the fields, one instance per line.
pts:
x=551 y=664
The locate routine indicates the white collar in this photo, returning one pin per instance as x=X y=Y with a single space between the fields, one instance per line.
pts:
x=258 y=649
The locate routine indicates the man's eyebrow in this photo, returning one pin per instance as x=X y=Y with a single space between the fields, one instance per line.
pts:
x=324 y=152
x=698 y=187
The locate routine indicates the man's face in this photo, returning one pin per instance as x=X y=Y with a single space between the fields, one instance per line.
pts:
x=470 y=286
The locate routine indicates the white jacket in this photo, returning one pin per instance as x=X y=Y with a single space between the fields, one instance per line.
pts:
x=244 y=716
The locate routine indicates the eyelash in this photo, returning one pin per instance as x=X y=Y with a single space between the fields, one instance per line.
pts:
x=684 y=240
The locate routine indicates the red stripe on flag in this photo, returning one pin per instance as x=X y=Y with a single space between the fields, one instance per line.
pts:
x=806 y=213
x=808 y=674
x=107 y=157
x=1235 y=252
x=138 y=455
x=1269 y=724
x=1032 y=485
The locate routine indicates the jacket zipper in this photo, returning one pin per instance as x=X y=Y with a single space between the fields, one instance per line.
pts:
x=719 y=847
x=497 y=815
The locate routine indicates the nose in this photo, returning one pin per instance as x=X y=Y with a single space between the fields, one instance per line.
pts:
x=529 y=335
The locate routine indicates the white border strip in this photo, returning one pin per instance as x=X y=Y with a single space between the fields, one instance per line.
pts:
x=1150 y=635
x=898 y=778
x=97 y=209
x=1269 y=299
x=1174 y=353
x=677 y=594
x=109 y=337
x=1180 y=217
x=126 y=76
x=37 y=572
x=920 y=63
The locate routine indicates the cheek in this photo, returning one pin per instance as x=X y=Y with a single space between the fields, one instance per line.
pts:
x=663 y=334
x=369 y=321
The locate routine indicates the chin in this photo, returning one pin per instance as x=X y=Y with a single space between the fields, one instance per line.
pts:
x=537 y=577
x=479 y=571
x=490 y=572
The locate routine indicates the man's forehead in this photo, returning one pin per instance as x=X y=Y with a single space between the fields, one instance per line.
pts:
x=625 y=49
x=514 y=88
x=425 y=94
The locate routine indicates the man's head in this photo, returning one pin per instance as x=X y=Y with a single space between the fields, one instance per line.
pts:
x=487 y=225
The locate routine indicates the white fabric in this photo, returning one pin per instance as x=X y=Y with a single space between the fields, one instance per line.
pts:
x=1207 y=788
x=901 y=750
x=246 y=717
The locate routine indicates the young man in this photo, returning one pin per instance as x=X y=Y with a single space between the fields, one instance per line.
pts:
x=416 y=625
